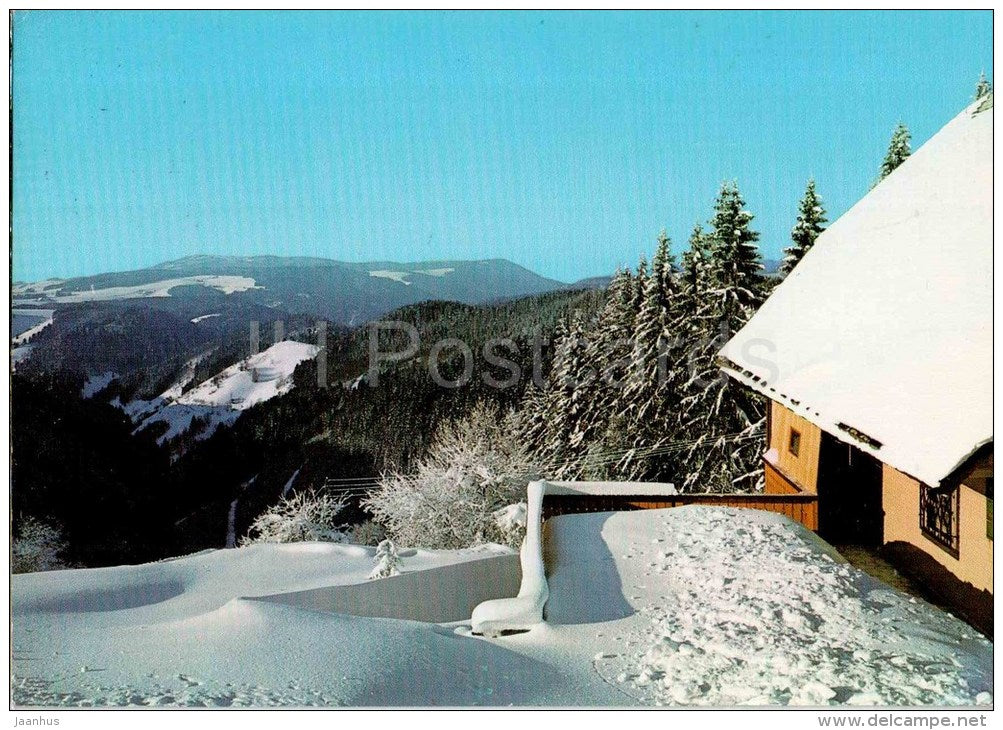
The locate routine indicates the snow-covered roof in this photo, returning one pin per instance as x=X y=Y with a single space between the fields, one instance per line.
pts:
x=882 y=335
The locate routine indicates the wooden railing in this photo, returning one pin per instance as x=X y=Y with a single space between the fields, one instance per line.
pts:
x=801 y=508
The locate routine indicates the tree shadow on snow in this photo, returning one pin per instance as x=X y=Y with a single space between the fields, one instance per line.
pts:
x=585 y=586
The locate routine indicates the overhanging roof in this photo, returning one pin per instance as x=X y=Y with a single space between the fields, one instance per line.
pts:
x=882 y=335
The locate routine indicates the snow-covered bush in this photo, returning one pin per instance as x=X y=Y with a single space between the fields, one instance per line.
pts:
x=387 y=561
x=304 y=517
x=511 y=522
x=369 y=532
x=474 y=468
x=38 y=546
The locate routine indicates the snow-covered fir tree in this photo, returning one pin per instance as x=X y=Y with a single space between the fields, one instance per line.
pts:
x=565 y=399
x=898 y=151
x=811 y=216
x=720 y=420
x=983 y=88
x=387 y=560
x=607 y=350
x=649 y=398
x=735 y=267
x=695 y=264
x=660 y=408
x=640 y=277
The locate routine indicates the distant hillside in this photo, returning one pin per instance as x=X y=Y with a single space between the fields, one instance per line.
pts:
x=145 y=325
x=340 y=292
x=218 y=436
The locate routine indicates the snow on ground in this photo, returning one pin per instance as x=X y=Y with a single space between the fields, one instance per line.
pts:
x=184 y=378
x=225 y=284
x=36 y=287
x=182 y=417
x=19 y=355
x=24 y=319
x=398 y=276
x=96 y=383
x=186 y=632
x=687 y=606
x=744 y=607
x=27 y=334
x=720 y=607
x=253 y=380
x=221 y=399
x=402 y=276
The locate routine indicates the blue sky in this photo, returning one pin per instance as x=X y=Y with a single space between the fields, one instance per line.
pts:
x=562 y=141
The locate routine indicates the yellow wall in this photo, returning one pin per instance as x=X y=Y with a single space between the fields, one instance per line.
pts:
x=803 y=468
x=974 y=563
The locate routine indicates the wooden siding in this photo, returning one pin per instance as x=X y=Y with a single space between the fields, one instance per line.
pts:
x=801 y=470
x=974 y=562
x=779 y=483
x=801 y=508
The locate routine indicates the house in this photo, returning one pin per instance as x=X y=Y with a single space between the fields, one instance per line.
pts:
x=876 y=356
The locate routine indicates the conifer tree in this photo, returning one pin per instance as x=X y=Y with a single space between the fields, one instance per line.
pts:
x=662 y=266
x=565 y=406
x=608 y=349
x=694 y=271
x=983 y=88
x=734 y=264
x=720 y=417
x=811 y=216
x=640 y=278
x=649 y=399
x=898 y=151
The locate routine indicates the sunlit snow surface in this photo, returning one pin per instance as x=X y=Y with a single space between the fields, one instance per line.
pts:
x=221 y=399
x=687 y=606
x=52 y=290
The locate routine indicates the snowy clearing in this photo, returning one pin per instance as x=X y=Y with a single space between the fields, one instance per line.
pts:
x=27 y=334
x=225 y=284
x=220 y=400
x=686 y=606
x=182 y=417
x=182 y=632
x=203 y=317
x=253 y=380
x=401 y=277
x=96 y=383
x=398 y=276
x=36 y=287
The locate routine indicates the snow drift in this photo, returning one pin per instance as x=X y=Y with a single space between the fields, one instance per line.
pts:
x=695 y=606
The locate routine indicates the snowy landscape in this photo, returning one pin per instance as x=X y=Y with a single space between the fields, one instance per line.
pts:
x=463 y=360
x=685 y=607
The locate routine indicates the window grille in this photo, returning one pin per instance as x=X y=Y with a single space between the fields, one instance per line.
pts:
x=938 y=516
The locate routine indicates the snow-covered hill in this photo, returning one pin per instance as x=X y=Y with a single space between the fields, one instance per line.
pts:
x=254 y=380
x=688 y=606
x=341 y=292
x=158 y=288
x=220 y=399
